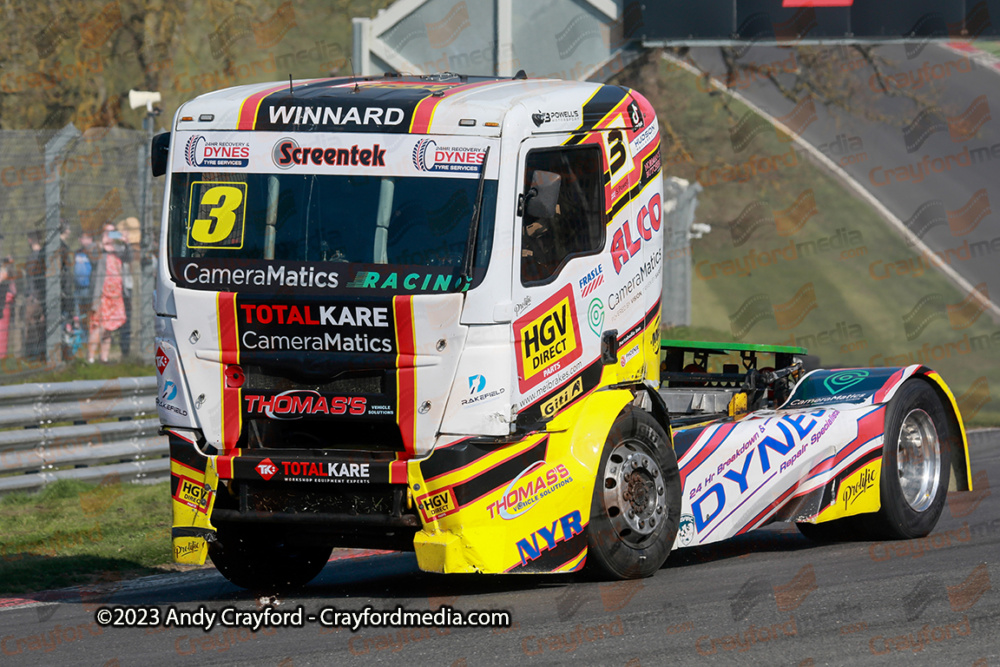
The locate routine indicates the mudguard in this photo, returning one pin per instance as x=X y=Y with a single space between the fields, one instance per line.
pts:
x=194 y=482
x=518 y=508
x=817 y=458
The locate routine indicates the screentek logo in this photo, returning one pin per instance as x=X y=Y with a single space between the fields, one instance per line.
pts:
x=200 y=152
x=287 y=153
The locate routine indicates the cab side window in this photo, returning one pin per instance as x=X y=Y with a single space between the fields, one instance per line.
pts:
x=563 y=210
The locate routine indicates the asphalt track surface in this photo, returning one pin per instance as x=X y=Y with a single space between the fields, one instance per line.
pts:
x=769 y=598
x=960 y=102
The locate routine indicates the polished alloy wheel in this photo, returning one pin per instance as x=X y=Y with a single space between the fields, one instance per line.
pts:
x=918 y=459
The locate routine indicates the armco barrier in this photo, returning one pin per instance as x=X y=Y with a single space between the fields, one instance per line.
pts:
x=63 y=431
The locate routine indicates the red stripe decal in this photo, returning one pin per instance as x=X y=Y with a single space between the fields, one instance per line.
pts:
x=230 y=352
x=397 y=472
x=713 y=443
x=406 y=374
x=423 y=114
x=224 y=465
x=248 y=110
x=889 y=385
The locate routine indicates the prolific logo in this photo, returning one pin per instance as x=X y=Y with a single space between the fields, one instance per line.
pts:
x=199 y=152
x=591 y=281
x=428 y=156
x=854 y=491
x=595 y=316
x=266 y=469
x=844 y=380
x=548 y=338
x=161 y=360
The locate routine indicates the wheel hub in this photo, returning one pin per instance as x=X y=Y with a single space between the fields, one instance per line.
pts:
x=634 y=498
x=918 y=460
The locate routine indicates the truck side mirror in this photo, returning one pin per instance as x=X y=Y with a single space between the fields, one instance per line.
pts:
x=541 y=198
x=159 y=153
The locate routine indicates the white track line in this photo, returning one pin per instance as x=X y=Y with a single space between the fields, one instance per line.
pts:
x=858 y=189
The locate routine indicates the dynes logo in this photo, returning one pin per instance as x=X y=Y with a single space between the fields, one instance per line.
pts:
x=200 y=152
x=530 y=486
x=428 y=156
x=296 y=115
x=287 y=153
x=298 y=403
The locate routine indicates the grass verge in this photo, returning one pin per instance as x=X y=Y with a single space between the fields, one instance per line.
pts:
x=794 y=258
x=72 y=533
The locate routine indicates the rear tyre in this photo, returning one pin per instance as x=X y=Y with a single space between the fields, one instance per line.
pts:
x=636 y=504
x=916 y=458
x=261 y=560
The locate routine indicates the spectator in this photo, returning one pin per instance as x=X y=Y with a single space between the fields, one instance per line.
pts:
x=34 y=307
x=66 y=292
x=107 y=312
x=83 y=266
x=8 y=292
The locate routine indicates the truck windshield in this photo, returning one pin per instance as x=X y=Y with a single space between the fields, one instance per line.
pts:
x=372 y=220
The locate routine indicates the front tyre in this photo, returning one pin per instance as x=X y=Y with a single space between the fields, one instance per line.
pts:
x=636 y=504
x=915 y=462
x=261 y=560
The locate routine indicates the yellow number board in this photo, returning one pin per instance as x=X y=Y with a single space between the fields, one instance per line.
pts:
x=216 y=216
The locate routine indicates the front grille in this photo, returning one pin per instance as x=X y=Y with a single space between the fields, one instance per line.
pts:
x=306 y=498
x=356 y=382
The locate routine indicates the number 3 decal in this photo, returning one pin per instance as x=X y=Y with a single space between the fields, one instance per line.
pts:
x=216 y=216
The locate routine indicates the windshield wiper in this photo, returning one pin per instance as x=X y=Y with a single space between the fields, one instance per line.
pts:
x=470 y=241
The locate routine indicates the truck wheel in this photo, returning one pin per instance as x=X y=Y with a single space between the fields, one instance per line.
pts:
x=636 y=505
x=915 y=464
x=261 y=560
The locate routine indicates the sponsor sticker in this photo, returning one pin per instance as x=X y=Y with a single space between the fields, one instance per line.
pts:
x=162 y=360
x=429 y=156
x=533 y=484
x=216 y=215
x=202 y=153
x=299 y=403
x=437 y=504
x=548 y=339
x=266 y=469
x=562 y=399
x=193 y=494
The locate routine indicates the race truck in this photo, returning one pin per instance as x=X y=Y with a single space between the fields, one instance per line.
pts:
x=423 y=313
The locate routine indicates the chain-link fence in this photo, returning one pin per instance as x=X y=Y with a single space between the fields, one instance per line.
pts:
x=78 y=219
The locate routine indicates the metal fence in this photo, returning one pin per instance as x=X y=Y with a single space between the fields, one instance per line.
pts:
x=59 y=189
x=85 y=430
